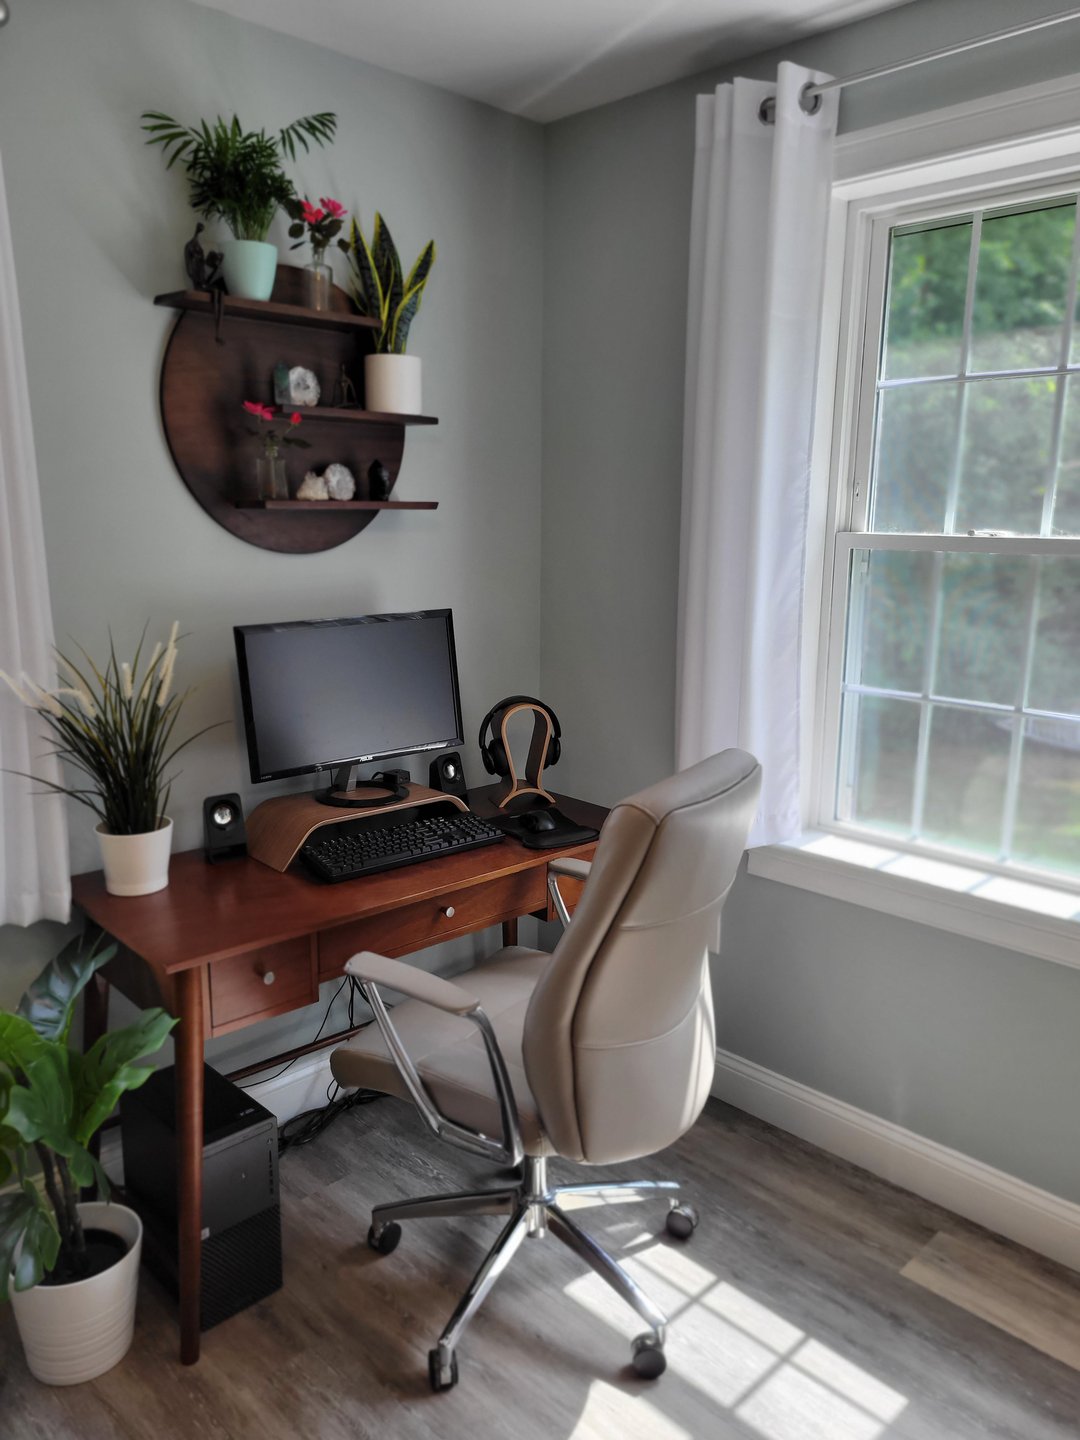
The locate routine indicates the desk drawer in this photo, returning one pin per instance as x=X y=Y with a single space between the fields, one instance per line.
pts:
x=262 y=983
x=426 y=922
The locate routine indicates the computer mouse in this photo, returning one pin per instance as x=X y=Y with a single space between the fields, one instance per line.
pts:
x=538 y=820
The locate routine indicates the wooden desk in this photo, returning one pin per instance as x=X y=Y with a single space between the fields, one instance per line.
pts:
x=228 y=945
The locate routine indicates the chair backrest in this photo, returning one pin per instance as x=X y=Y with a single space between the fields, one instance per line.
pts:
x=619 y=1041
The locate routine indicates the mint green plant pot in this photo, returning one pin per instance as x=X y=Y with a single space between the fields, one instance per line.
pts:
x=249 y=268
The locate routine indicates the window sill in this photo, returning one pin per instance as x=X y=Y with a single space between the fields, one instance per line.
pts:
x=1016 y=914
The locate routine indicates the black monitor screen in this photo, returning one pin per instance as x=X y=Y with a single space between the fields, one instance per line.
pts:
x=319 y=693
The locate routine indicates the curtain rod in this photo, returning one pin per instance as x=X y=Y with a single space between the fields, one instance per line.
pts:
x=811 y=95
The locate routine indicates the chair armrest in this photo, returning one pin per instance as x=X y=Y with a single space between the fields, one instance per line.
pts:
x=567 y=865
x=574 y=870
x=412 y=981
x=370 y=971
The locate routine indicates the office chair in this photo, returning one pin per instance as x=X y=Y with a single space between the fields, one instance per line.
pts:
x=599 y=1053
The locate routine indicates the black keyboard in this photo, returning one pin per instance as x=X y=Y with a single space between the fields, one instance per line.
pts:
x=364 y=847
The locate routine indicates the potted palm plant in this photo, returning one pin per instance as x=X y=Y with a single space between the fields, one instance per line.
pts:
x=236 y=175
x=70 y=1268
x=392 y=379
x=115 y=728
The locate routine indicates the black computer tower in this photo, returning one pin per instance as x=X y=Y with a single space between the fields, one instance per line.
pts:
x=241 y=1229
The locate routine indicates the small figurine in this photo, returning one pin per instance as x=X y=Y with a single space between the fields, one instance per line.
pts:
x=202 y=271
x=344 y=397
x=379 y=480
x=201 y=268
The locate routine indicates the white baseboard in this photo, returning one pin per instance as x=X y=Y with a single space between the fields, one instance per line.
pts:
x=990 y=1197
x=302 y=1087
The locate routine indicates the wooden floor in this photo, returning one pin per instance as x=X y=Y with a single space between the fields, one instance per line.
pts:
x=791 y=1319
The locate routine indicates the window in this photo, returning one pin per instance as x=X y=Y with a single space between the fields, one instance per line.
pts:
x=952 y=714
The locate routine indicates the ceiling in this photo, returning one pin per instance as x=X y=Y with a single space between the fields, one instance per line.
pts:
x=548 y=58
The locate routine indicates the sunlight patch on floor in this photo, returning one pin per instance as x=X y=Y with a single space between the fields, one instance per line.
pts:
x=743 y=1356
x=609 y=1412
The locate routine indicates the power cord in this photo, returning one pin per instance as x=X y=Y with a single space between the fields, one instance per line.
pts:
x=304 y=1128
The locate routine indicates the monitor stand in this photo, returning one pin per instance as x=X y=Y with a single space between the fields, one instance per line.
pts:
x=347 y=794
x=277 y=828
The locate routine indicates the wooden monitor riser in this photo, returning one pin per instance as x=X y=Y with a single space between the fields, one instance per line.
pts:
x=277 y=828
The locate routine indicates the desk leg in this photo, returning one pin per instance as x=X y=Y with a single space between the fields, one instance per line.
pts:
x=510 y=932
x=189 y=1134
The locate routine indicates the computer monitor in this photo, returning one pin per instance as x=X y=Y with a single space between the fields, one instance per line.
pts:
x=329 y=694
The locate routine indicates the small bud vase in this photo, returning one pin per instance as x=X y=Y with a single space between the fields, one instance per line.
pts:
x=270 y=479
x=318 y=282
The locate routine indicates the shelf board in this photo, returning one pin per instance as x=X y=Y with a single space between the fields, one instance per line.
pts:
x=297 y=505
x=360 y=417
x=202 y=302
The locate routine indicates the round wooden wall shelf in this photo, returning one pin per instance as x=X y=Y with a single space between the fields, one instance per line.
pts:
x=204 y=384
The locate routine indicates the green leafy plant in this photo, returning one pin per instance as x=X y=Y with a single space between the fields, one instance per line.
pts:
x=116 y=730
x=235 y=174
x=53 y=1100
x=379 y=287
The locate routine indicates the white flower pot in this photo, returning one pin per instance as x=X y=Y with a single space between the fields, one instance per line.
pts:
x=136 y=864
x=392 y=384
x=73 y=1332
x=249 y=268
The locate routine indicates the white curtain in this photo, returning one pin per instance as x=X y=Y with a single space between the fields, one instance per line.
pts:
x=34 y=872
x=760 y=209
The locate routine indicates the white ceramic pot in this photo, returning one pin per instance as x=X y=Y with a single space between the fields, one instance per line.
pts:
x=73 y=1332
x=136 y=864
x=249 y=268
x=392 y=384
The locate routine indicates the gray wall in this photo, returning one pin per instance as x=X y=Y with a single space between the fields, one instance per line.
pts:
x=970 y=1045
x=98 y=228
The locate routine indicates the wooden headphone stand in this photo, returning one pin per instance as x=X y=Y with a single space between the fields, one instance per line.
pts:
x=515 y=785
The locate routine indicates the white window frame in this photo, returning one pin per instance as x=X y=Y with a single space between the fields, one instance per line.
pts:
x=992 y=153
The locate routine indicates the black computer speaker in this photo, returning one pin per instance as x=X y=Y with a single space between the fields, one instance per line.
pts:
x=447 y=774
x=223 y=827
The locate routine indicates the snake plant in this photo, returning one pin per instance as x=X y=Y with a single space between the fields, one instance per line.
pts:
x=380 y=287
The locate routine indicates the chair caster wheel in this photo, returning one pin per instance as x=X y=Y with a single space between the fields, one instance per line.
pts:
x=649 y=1360
x=442 y=1377
x=386 y=1239
x=682 y=1221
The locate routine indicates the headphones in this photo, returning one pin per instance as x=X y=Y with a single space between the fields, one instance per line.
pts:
x=493 y=753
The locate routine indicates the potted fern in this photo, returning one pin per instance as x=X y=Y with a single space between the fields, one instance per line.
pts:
x=70 y=1268
x=392 y=379
x=236 y=175
x=114 y=727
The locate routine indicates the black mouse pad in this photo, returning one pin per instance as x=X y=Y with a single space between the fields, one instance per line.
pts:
x=566 y=831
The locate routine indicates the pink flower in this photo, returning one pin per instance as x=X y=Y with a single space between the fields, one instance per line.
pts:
x=311 y=215
x=295 y=418
x=334 y=208
x=261 y=412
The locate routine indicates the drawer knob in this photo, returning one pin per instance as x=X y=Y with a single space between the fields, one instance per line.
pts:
x=268 y=977
x=448 y=911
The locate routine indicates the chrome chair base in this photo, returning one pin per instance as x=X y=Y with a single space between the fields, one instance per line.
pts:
x=532 y=1209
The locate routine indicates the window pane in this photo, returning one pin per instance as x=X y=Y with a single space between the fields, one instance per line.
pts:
x=1021 y=289
x=1047 y=830
x=891 y=606
x=984 y=617
x=1067 y=499
x=1055 y=671
x=965 y=779
x=1008 y=429
x=915 y=453
x=886 y=737
x=925 y=309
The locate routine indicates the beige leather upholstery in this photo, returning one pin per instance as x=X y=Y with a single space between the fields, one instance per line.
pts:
x=609 y=1041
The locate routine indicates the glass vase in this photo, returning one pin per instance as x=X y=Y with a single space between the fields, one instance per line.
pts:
x=318 y=283
x=270 y=480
